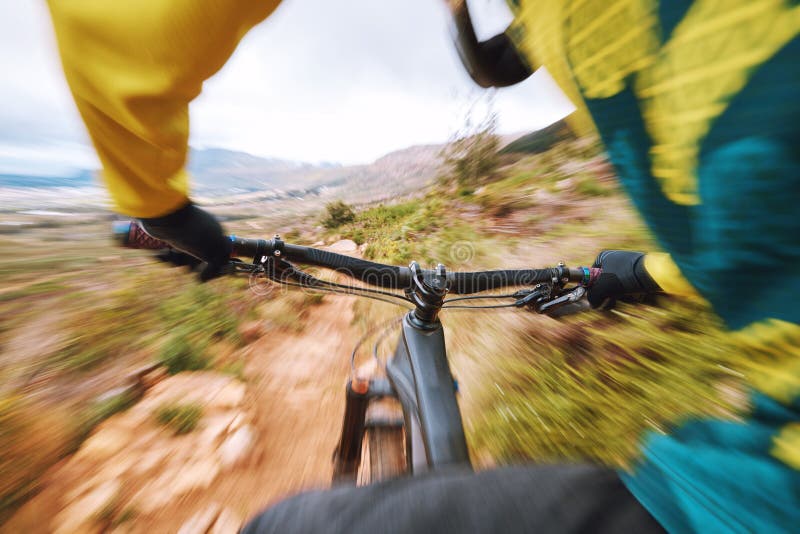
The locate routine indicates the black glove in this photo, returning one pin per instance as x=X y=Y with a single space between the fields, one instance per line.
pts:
x=196 y=232
x=623 y=276
x=177 y=258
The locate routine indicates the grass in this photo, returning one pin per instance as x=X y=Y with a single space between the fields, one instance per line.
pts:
x=580 y=388
x=588 y=186
x=181 y=418
x=180 y=354
x=94 y=321
x=130 y=319
x=586 y=388
x=427 y=229
x=33 y=290
x=235 y=368
x=32 y=437
x=201 y=311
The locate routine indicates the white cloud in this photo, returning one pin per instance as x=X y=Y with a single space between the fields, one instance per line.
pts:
x=338 y=81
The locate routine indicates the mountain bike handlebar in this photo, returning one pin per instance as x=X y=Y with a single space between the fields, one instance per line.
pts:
x=369 y=272
x=393 y=277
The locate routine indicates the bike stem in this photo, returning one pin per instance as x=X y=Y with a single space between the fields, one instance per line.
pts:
x=427 y=292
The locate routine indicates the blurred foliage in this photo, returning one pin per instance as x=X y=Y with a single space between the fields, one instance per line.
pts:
x=579 y=388
x=34 y=289
x=89 y=324
x=337 y=213
x=472 y=154
x=586 y=387
x=590 y=187
x=582 y=387
x=31 y=437
x=286 y=308
x=202 y=311
x=181 y=418
x=180 y=354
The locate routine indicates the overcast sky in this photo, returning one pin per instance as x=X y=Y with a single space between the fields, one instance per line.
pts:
x=320 y=80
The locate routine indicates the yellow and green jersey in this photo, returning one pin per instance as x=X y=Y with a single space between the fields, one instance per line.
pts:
x=697 y=104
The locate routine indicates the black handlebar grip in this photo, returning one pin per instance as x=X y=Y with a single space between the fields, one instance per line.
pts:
x=376 y=274
x=464 y=283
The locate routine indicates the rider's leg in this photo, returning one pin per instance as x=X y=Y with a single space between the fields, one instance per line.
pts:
x=557 y=498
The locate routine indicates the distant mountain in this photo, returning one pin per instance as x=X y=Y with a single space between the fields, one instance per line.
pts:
x=219 y=169
x=221 y=175
x=80 y=179
x=540 y=140
x=213 y=170
x=205 y=160
x=218 y=173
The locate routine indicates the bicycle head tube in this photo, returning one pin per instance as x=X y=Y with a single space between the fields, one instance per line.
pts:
x=427 y=292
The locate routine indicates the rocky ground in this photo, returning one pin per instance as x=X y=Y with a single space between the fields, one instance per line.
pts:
x=259 y=439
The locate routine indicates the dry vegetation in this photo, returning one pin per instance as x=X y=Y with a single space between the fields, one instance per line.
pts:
x=580 y=388
x=78 y=316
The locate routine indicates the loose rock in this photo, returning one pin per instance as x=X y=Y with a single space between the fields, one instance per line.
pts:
x=82 y=513
x=235 y=447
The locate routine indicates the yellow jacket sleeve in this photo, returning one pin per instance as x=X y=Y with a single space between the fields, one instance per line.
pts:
x=667 y=275
x=133 y=66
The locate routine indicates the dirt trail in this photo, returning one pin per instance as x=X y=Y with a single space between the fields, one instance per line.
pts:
x=293 y=403
x=295 y=395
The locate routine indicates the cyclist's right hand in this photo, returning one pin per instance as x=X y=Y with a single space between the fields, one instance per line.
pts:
x=196 y=233
x=623 y=276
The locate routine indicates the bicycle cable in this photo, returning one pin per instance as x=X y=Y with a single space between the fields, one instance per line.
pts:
x=383 y=335
x=355 y=288
x=383 y=328
x=332 y=287
x=472 y=297
x=462 y=307
x=312 y=282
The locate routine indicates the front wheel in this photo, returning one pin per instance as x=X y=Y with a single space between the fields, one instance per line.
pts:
x=383 y=453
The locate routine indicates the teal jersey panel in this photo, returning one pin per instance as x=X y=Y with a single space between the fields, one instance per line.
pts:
x=740 y=246
x=718 y=476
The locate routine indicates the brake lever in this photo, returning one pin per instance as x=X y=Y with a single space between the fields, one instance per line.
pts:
x=566 y=304
x=532 y=297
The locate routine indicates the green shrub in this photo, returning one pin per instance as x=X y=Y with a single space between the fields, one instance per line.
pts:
x=337 y=214
x=181 y=418
x=472 y=156
x=201 y=313
x=590 y=187
x=82 y=355
x=589 y=388
x=357 y=235
x=180 y=354
x=313 y=299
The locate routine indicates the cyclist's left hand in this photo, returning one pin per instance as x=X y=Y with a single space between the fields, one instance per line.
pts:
x=178 y=259
x=195 y=233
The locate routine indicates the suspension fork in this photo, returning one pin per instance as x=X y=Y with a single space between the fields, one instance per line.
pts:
x=359 y=393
